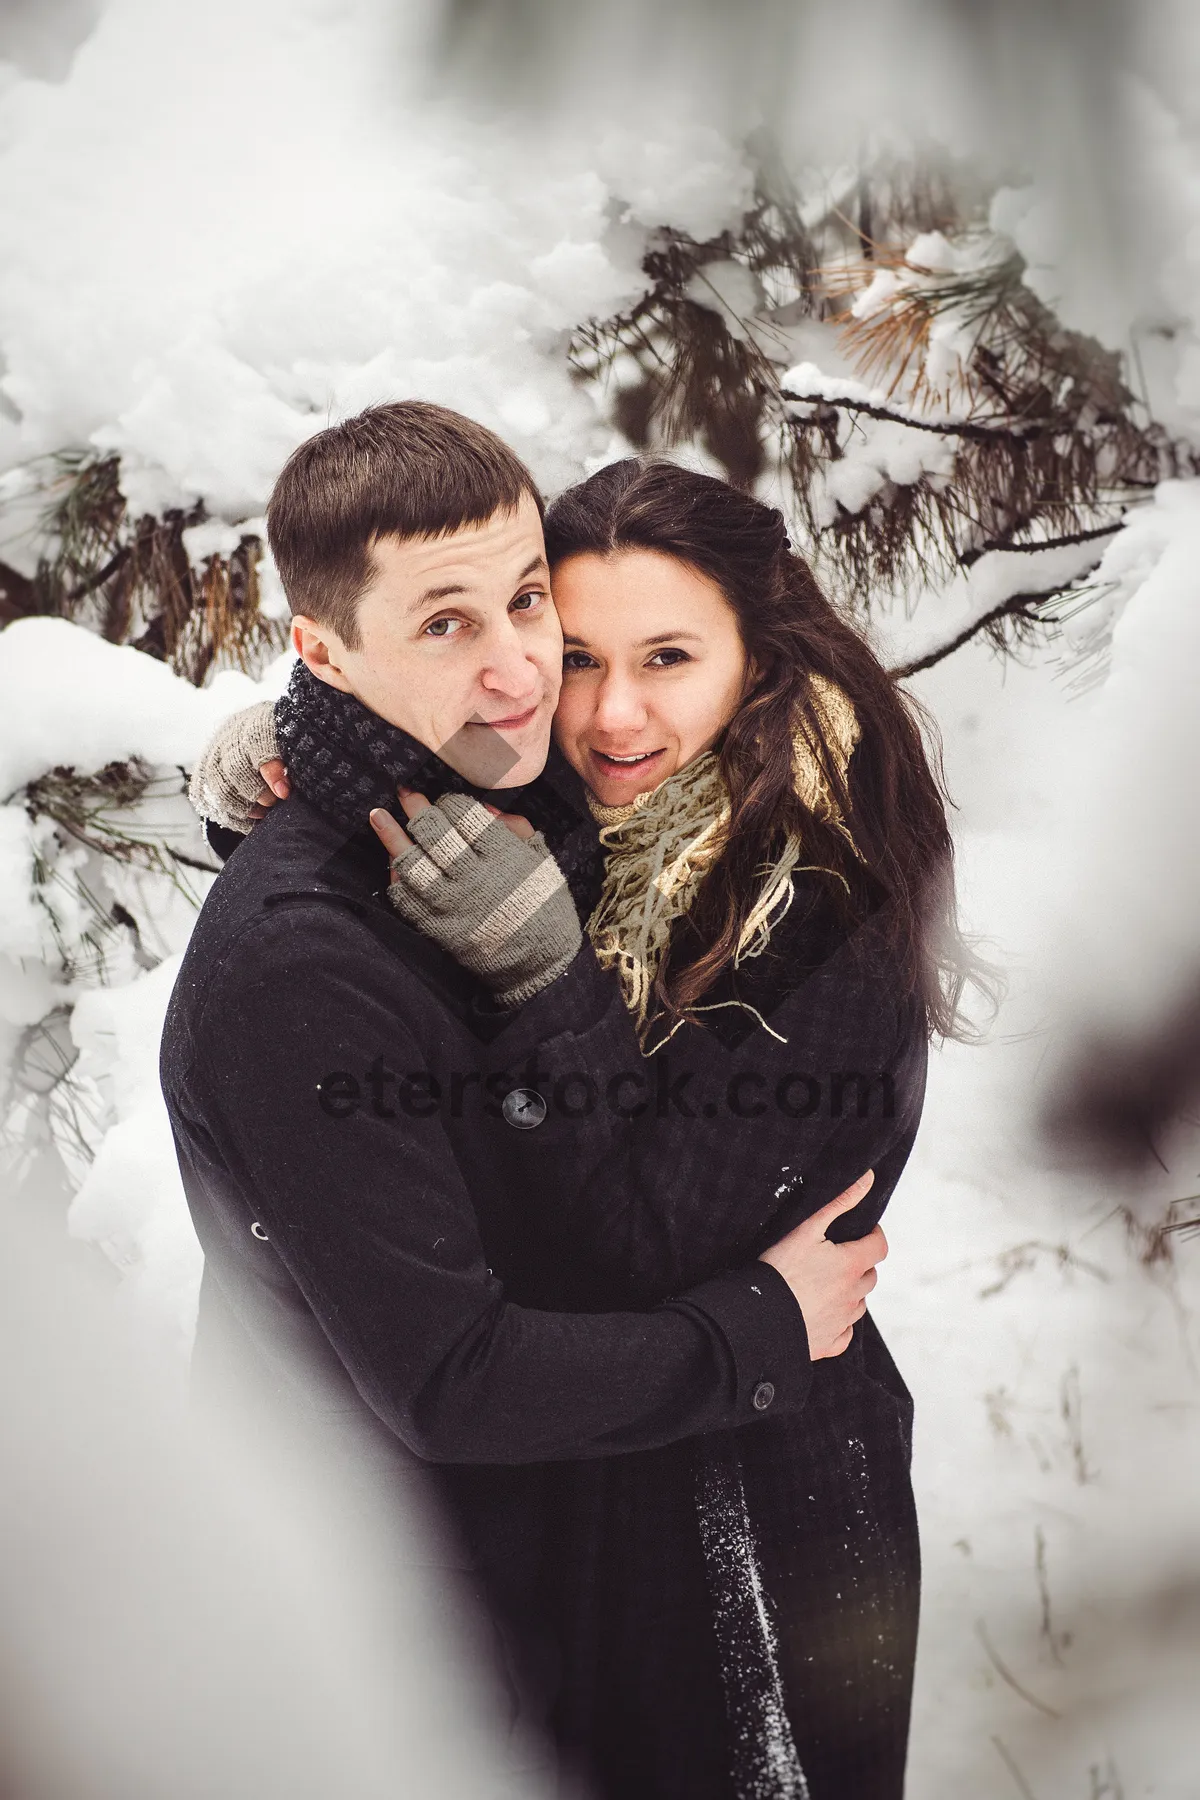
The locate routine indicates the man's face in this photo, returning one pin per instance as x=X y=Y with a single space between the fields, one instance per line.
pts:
x=460 y=646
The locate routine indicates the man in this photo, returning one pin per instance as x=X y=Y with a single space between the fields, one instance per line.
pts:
x=360 y=1120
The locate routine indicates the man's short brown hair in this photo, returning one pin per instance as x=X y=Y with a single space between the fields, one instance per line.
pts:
x=406 y=470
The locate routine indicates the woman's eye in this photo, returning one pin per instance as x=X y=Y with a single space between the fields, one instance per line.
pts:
x=668 y=659
x=443 y=628
x=577 y=659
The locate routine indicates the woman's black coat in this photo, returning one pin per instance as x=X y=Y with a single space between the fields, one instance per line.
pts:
x=337 y=1083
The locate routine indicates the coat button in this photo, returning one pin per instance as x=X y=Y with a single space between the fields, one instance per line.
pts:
x=257 y=1231
x=763 y=1395
x=524 y=1108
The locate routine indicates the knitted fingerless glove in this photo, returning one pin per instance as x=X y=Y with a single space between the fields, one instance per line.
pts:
x=225 y=782
x=498 y=903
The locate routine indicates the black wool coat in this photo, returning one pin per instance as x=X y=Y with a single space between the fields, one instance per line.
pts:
x=551 y=1309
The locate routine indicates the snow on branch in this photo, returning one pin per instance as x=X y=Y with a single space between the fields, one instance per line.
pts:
x=919 y=404
x=70 y=700
x=998 y=591
x=805 y=384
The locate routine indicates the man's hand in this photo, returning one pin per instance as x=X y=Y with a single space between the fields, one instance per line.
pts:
x=485 y=887
x=830 y=1281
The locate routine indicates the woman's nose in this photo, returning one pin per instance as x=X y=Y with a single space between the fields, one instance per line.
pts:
x=618 y=707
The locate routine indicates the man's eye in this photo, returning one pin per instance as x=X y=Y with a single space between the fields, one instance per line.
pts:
x=443 y=628
x=577 y=659
x=527 y=602
x=668 y=659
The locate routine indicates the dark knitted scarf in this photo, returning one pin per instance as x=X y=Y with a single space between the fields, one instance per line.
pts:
x=345 y=760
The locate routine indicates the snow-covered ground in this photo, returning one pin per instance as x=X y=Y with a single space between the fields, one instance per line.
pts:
x=1056 y=1375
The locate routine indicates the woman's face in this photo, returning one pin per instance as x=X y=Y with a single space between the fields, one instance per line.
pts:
x=653 y=669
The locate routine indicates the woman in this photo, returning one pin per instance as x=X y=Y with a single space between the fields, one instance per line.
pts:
x=738 y=1617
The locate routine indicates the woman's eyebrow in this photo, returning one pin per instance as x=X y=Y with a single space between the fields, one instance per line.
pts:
x=661 y=637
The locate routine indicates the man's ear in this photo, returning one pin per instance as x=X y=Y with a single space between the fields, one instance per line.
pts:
x=322 y=649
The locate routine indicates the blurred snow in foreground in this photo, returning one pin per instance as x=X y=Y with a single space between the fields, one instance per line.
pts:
x=178 y=1618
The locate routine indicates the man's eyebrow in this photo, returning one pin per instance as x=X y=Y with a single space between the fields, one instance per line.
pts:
x=436 y=593
x=456 y=587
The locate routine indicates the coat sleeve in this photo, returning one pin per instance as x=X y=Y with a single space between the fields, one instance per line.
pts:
x=374 y=1223
x=714 y=1152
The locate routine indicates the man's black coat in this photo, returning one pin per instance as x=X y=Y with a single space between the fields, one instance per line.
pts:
x=544 y=1310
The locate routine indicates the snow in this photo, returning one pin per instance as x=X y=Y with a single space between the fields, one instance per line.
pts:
x=877 y=451
x=222 y=226
x=264 y=256
x=1054 y=1373
x=688 y=175
x=182 y=1618
x=131 y=1201
x=1132 y=818
x=808 y=382
x=214 y=538
x=932 y=253
x=997 y=576
x=23 y=933
x=729 y=289
x=71 y=699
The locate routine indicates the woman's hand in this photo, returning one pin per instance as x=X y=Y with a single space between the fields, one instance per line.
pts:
x=830 y=1281
x=240 y=774
x=484 y=886
x=275 y=786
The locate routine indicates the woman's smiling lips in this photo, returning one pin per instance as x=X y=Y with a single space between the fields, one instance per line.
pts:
x=631 y=765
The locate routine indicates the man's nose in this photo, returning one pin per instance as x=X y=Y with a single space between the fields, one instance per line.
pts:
x=509 y=670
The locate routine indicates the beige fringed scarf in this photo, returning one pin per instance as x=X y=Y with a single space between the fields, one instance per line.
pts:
x=665 y=841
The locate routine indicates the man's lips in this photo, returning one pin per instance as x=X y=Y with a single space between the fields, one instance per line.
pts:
x=627 y=765
x=513 y=723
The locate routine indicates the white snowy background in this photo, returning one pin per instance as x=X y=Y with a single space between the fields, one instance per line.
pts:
x=221 y=226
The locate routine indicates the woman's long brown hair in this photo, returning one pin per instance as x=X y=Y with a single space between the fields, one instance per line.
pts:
x=892 y=798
